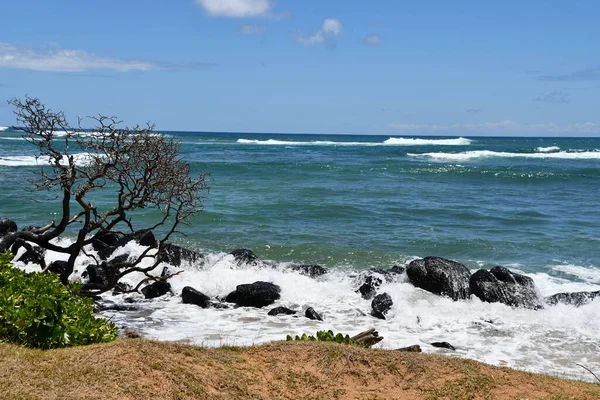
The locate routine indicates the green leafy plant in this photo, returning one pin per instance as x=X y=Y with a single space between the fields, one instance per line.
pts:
x=324 y=336
x=37 y=310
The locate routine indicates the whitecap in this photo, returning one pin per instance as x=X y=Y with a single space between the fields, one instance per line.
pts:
x=550 y=149
x=23 y=161
x=478 y=154
x=420 y=142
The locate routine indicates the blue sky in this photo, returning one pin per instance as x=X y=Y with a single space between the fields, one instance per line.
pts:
x=311 y=66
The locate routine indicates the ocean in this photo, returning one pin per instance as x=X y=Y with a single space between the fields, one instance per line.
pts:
x=351 y=203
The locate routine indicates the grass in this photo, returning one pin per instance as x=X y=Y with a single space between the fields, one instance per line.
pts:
x=134 y=369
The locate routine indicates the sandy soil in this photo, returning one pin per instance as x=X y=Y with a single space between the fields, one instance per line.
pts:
x=142 y=369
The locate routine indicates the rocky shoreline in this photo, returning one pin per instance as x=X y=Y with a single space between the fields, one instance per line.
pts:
x=436 y=275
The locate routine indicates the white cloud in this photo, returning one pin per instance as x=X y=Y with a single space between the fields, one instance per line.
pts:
x=236 y=8
x=64 y=60
x=499 y=127
x=326 y=35
x=372 y=40
x=252 y=29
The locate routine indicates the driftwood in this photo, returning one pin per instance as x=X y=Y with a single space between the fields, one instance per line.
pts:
x=367 y=338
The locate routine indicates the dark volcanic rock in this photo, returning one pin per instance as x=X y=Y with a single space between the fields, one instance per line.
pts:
x=440 y=276
x=257 y=294
x=144 y=238
x=281 y=310
x=415 y=348
x=310 y=313
x=369 y=287
x=156 y=289
x=104 y=240
x=380 y=305
x=7 y=226
x=105 y=273
x=310 y=270
x=576 y=299
x=58 y=267
x=244 y=256
x=189 y=295
x=501 y=285
x=35 y=255
x=174 y=255
x=443 y=345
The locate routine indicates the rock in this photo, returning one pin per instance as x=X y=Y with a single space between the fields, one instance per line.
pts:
x=312 y=270
x=58 y=267
x=105 y=273
x=501 y=285
x=576 y=299
x=380 y=305
x=440 y=276
x=156 y=289
x=310 y=313
x=369 y=287
x=174 y=255
x=397 y=269
x=257 y=294
x=415 y=348
x=112 y=306
x=121 y=287
x=7 y=226
x=105 y=239
x=244 y=256
x=281 y=310
x=131 y=333
x=189 y=295
x=144 y=238
x=35 y=255
x=218 y=305
x=443 y=345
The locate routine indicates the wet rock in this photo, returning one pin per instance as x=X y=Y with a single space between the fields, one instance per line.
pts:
x=244 y=256
x=281 y=310
x=368 y=289
x=7 y=226
x=143 y=238
x=121 y=287
x=415 y=348
x=34 y=255
x=576 y=299
x=311 y=270
x=443 y=345
x=30 y=228
x=105 y=273
x=310 y=313
x=380 y=305
x=104 y=240
x=218 y=305
x=500 y=285
x=131 y=333
x=156 y=289
x=105 y=305
x=58 y=267
x=257 y=294
x=189 y=295
x=175 y=255
x=440 y=276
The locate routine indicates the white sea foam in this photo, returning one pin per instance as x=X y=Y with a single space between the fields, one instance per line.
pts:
x=3 y=128
x=389 y=142
x=478 y=154
x=549 y=341
x=550 y=149
x=23 y=161
x=420 y=142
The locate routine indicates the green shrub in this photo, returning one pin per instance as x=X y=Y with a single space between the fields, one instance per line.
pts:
x=37 y=310
x=324 y=336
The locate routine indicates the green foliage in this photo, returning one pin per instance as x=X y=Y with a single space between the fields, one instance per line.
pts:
x=37 y=310
x=324 y=336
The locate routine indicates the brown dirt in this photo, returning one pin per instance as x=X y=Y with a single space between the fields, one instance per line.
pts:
x=142 y=369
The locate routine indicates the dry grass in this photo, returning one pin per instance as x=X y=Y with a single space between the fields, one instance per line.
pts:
x=141 y=369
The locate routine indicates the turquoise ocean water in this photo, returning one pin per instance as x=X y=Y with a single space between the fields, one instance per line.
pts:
x=364 y=201
x=351 y=203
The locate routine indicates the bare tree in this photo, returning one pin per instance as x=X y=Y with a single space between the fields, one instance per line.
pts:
x=144 y=169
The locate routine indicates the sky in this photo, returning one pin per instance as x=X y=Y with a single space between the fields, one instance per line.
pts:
x=392 y=67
